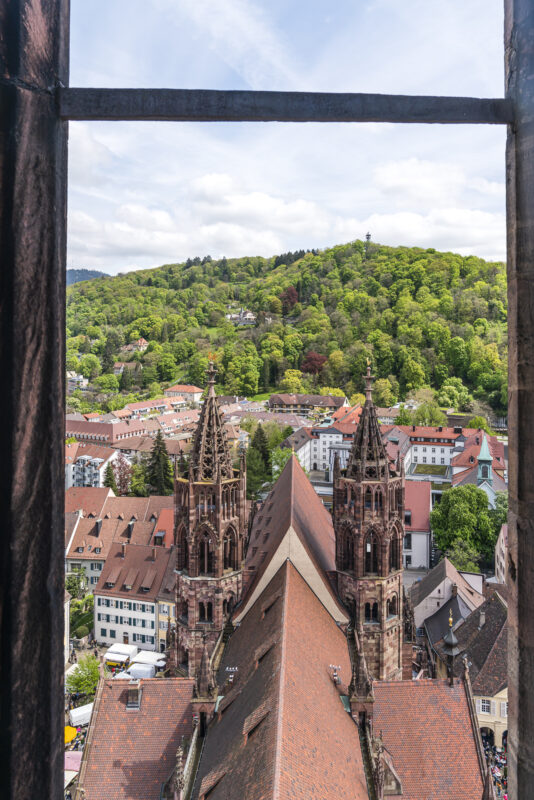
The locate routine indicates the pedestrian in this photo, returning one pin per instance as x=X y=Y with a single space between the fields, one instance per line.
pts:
x=95 y=652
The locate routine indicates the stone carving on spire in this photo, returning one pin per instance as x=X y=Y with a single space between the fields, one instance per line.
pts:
x=205 y=685
x=361 y=685
x=210 y=454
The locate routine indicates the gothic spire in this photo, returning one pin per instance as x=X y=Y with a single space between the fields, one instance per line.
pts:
x=210 y=456
x=368 y=458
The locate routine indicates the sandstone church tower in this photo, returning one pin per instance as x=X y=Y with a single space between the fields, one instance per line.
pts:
x=368 y=513
x=210 y=528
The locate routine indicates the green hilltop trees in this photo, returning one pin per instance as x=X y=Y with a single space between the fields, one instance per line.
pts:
x=424 y=318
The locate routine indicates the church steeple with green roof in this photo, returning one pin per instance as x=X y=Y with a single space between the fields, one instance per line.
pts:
x=485 y=460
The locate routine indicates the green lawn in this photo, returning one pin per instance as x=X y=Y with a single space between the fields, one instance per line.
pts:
x=259 y=398
x=430 y=469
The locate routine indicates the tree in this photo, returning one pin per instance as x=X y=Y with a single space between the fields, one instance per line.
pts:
x=138 y=482
x=259 y=442
x=313 y=362
x=75 y=582
x=125 y=382
x=123 y=475
x=464 y=556
x=108 y=383
x=166 y=367
x=331 y=391
x=289 y=297
x=291 y=382
x=357 y=399
x=383 y=393
x=159 y=468
x=109 y=478
x=90 y=366
x=462 y=515
x=429 y=414
x=84 y=678
x=480 y=423
x=256 y=475
x=404 y=417
x=499 y=514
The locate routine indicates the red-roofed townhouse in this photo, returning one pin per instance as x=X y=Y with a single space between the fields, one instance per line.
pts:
x=192 y=394
x=417 y=537
x=126 y=595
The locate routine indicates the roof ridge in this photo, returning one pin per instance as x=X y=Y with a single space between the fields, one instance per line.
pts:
x=281 y=676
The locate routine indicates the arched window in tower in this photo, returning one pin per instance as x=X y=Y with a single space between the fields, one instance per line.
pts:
x=184 y=611
x=371 y=553
x=368 y=612
x=378 y=500
x=393 y=608
x=394 y=552
x=485 y=472
x=229 y=550
x=205 y=555
x=374 y=613
x=209 y=612
x=183 y=550
x=347 y=550
x=202 y=612
x=368 y=499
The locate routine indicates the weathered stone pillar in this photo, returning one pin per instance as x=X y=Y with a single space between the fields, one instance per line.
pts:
x=33 y=200
x=519 y=58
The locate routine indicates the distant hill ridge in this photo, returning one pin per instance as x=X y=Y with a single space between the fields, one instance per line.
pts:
x=424 y=318
x=78 y=275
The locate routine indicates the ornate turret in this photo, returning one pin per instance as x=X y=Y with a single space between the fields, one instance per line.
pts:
x=211 y=524
x=210 y=455
x=450 y=649
x=368 y=512
x=368 y=458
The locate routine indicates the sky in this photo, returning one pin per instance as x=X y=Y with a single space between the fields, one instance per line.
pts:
x=151 y=193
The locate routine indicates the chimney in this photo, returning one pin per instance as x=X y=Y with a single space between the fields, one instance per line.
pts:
x=98 y=526
x=130 y=529
x=454 y=590
x=482 y=620
x=413 y=428
x=123 y=553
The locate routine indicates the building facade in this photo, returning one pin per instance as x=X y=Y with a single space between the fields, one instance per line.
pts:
x=368 y=512
x=211 y=521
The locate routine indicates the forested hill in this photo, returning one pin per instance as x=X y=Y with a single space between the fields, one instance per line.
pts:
x=77 y=275
x=421 y=315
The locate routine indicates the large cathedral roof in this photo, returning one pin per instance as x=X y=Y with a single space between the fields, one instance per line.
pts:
x=287 y=736
x=210 y=456
x=292 y=524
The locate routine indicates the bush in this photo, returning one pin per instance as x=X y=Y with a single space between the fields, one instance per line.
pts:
x=82 y=631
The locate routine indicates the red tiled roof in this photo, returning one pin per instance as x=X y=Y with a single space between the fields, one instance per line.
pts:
x=133 y=751
x=165 y=523
x=417 y=499
x=472 y=449
x=180 y=387
x=428 y=432
x=347 y=414
x=427 y=729
x=74 y=450
x=88 y=498
x=306 y=745
x=291 y=503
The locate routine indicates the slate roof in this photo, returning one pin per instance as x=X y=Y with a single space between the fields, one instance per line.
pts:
x=444 y=569
x=306 y=745
x=438 y=624
x=470 y=476
x=141 y=564
x=426 y=726
x=485 y=647
x=133 y=751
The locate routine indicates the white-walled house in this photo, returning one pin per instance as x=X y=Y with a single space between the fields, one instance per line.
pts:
x=86 y=464
x=126 y=596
